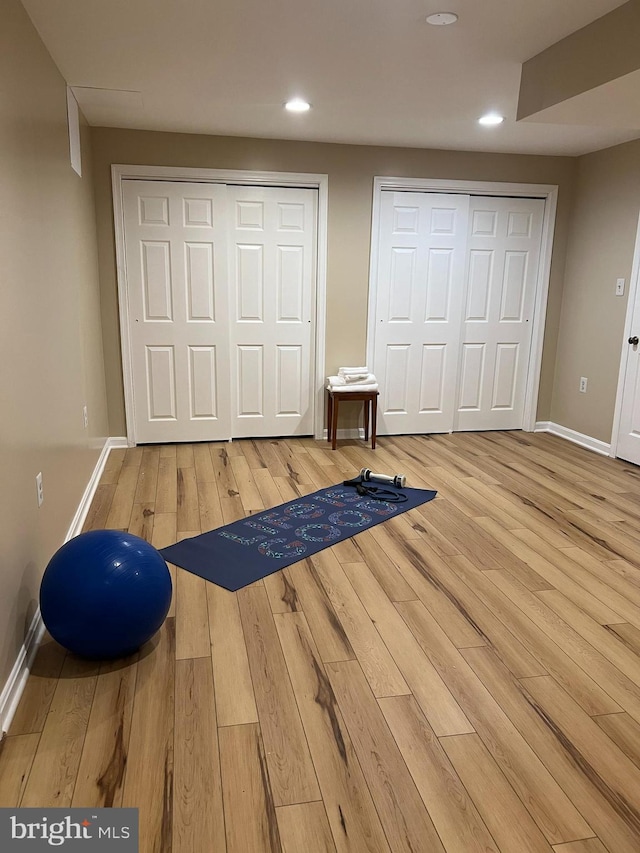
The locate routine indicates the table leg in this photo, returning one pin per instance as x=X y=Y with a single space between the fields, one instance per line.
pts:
x=334 y=423
x=374 y=414
x=366 y=420
x=329 y=414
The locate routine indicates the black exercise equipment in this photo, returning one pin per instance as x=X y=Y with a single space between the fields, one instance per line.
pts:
x=376 y=493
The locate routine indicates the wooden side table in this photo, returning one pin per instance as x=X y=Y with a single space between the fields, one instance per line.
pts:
x=370 y=400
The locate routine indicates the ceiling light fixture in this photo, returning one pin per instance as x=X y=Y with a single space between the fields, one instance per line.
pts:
x=297 y=105
x=491 y=119
x=441 y=19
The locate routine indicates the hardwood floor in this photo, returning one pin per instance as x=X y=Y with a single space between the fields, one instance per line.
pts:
x=463 y=678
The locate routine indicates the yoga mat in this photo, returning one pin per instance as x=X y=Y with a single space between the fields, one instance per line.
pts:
x=251 y=548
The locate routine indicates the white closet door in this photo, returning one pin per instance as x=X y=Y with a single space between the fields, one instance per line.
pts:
x=178 y=312
x=422 y=243
x=502 y=269
x=272 y=275
x=628 y=445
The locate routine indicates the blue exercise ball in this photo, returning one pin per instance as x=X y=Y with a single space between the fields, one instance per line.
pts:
x=105 y=593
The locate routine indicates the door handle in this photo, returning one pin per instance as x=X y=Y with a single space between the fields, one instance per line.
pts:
x=634 y=340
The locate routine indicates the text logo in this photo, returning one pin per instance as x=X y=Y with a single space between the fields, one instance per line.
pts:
x=79 y=830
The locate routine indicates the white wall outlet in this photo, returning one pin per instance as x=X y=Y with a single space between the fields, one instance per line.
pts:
x=85 y=415
x=620 y=287
x=39 y=490
x=583 y=384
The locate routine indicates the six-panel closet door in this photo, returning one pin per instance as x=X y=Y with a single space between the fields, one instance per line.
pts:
x=271 y=294
x=455 y=297
x=500 y=284
x=421 y=264
x=220 y=304
x=176 y=258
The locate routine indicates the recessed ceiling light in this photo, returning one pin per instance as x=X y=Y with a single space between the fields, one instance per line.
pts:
x=441 y=19
x=491 y=119
x=297 y=105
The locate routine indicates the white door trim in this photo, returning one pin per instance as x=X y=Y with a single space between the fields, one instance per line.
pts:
x=549 y=192
x=120 y=173
x=624 y=352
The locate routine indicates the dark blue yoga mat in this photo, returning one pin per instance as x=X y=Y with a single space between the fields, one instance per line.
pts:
x=247 y=550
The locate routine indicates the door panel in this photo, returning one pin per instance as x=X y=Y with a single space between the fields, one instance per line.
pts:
x=473 y=358
x=504 y=379
x=156 y=280
x=432 y=378
x=175 y=237
x=272 y=293
x=479 y=284
x=250 y=361
x=290 y=284
x=161 y=383
x=203 y=382
x=200 y=291
x=289 y=379
x=421 y=262
x=396 y=374
x=628 y=444
x=504 y=248
x=629 y=434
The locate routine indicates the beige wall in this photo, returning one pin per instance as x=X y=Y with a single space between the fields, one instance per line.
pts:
x=604 y=50
x=351 y=170
x=50 y=348
x=600 y=250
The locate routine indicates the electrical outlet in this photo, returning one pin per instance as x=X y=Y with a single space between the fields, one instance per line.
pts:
x=620 y=287
x=583 y=384
x=85 y=415
x=39 y=490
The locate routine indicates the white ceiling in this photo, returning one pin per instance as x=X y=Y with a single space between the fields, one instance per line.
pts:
x=374 y=71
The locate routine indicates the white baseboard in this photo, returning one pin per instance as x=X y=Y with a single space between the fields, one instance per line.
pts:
x=587 y=441
x=353 y=432
x=14 y=687
x=17 y=680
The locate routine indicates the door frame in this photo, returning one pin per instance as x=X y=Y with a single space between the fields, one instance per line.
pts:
x=122 y=172
x=624 y=352
x=548 y=192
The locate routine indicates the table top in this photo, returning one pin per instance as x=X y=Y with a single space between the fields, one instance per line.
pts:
x=346 y=393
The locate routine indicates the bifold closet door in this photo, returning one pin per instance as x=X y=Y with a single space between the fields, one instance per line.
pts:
x=421 y=265
x=221 y=302
x=176 y=258
x=455 y=298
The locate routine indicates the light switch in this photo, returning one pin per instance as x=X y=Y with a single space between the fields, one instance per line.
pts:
x=620 y=287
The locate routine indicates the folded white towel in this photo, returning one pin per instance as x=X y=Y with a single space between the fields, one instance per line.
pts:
x=342 y=381
x=346 y=371
x=358 y=378
x=352 y=389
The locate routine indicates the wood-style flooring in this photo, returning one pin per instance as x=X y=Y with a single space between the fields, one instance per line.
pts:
x=462 y=678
